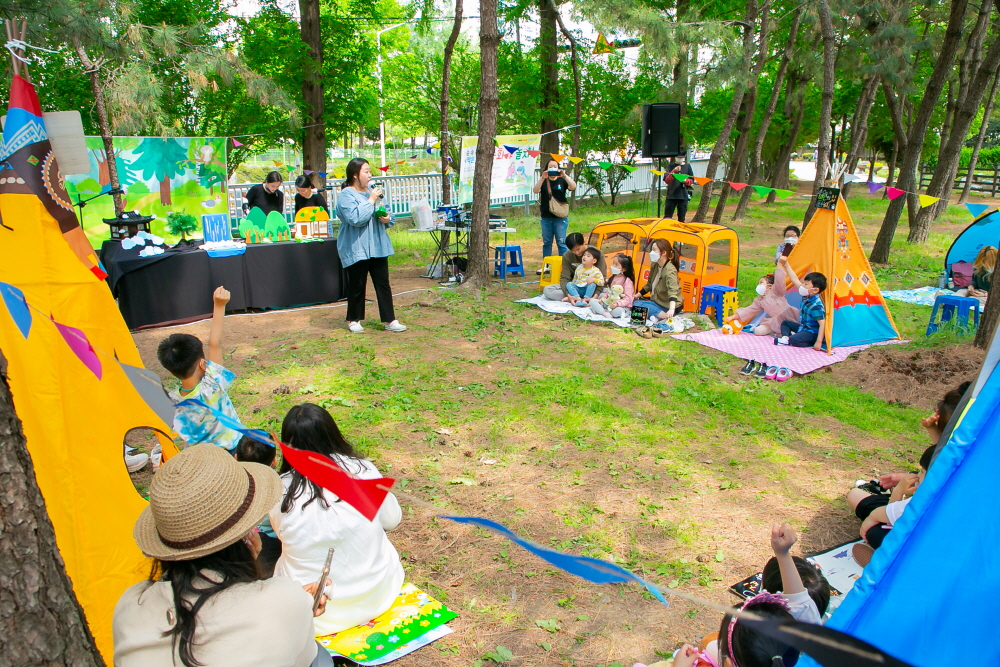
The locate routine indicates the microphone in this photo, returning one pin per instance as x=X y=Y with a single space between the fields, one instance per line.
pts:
x=381 y=195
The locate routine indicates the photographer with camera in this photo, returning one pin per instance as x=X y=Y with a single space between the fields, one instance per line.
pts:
x=364 y=246
x=551 y=189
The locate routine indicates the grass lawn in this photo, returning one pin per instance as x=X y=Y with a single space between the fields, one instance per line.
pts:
x=655 y=454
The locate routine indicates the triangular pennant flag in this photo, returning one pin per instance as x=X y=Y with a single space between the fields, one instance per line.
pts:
x=276 y=163
x=763 y=190
x=850 y=178
x=384 y=169
x=17 y=306
x=784 y=194
x=702 y=180
x=236 y=144
x=401 y=162
x=447 y=169
x=894 y=193
x=557 y=157
x=510 y=149
x=736 y=186
x=448 y=158
x=436 y=145
x=576 y=160
x=77 y=341
x=604 y=165
x=602 y=45
x=338 y=174
x=874 y=187
x=657 y=173
x=428 y=151
x=364 y=495
x=322 y=174
x=927 y=200
x=627 y=167
x=976 y=209
x=307 y=172
x=414 y=156
x=147 y=384
x=534 y=153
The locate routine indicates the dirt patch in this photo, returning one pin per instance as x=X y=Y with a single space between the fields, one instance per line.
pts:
x=911 y=377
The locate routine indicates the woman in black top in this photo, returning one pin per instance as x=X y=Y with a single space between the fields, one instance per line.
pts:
x=306 y=195
x=267 y=196
x=554 y=184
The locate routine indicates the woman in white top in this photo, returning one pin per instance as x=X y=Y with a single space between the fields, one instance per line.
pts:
x=366 y=572
x=204 y=602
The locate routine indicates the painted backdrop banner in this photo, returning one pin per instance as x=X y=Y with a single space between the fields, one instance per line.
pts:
x=159 y=175
x=513 y=173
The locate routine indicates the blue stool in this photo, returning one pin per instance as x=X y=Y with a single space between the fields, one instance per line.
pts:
x=957 y=307
x=713 y=296
x=507 y=259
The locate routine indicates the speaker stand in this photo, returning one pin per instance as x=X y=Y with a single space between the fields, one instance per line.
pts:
x=659 y=183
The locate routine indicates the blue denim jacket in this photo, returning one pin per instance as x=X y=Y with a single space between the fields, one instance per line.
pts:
x=361 y=236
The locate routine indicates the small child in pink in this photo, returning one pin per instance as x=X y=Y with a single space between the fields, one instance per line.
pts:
x=771 y=300
x=622 y=274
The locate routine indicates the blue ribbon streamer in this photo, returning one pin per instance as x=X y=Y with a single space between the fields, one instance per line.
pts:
x=227 y=421
x=17 y=306
x=594 y=570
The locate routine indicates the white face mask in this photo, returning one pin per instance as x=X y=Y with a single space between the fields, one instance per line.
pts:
x=761 y=289
x=791 y=240
x=615 y=270
x=654 y=256
x=803 y=290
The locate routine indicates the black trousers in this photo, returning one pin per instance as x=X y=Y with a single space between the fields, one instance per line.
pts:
x=269 y=553
x=680 y=204
x=357 y=283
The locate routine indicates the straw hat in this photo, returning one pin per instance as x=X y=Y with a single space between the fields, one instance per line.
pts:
x=202 y=500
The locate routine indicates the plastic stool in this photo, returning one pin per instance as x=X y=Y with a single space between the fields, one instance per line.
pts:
x=551 y=267
x=958 y=307
x=730 y=302
x=507 y=259
x=713 y=296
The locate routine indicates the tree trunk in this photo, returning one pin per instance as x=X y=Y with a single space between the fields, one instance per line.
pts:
x=826 y=108
x=988 y=321
x=737 y=170
x=577 y=100
x=165 y=191
x=734 y=110
x=974 y=158
x=794 y=99
x=42 y=621
x=478 y=275
x=93 y=72
x=964 y=114
x=314 y=136
x=859 y=128
x=915 y=138
x=548 y=53
x=765 y=122
x=449 y=48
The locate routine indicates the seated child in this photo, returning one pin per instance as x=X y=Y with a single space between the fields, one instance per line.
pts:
x=616 y=299
x=808 y=330
x=815 y=587
x=771 y=300
x=585 y=281
x=253 y=451
x=203 y=378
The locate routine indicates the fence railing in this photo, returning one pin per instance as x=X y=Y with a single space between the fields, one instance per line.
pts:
x=983 y=180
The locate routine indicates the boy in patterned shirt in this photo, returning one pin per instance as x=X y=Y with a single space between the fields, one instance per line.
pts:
x=585 y=281
x=809 y=329
x=203 y=378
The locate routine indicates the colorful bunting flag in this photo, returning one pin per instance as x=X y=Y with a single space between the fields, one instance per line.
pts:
x=657 y=173
x=447 y=169
x=276 y=163
x=448 y=158
x=927 y=200
x=17 y=306
x=557 y=157
x=77 y=341
x=322 y=174
x=894 y=193
x=604 y=165
x=414 y=156
x=576 y=160
x=850 y=178
x=401 y=162
x=874 y=187
x=702 y=180
x=627 y=167
x=534 y=153
x=784 y=194
x=307 y=172
x=736 y=186
x=594 y=570
x=436 y=145
x=976 y=209
x=763 y=190
x=602 y=45
x=510 y=149
x=384 y=169
x=364 y=495
x=236 y=144
x=147 y=384
x=338 y=174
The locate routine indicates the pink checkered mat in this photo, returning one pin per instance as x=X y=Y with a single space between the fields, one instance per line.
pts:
x=762 y=348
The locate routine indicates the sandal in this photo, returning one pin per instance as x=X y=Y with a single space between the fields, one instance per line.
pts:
x=656 y=332
x=643 y=332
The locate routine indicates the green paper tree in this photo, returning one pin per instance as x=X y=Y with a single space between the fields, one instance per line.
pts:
x=181 y=224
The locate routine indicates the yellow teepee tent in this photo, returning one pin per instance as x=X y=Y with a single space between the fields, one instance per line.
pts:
x=856 y=312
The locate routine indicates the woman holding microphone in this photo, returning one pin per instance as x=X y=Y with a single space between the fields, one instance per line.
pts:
x=364 y=246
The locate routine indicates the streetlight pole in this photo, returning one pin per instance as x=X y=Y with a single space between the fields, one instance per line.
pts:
x=381 y=114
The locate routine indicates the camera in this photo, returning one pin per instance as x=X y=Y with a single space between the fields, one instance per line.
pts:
x=553 y=172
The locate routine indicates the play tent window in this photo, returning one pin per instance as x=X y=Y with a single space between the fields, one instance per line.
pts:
x=689 y=257
x=617 y=242
x=719 y=254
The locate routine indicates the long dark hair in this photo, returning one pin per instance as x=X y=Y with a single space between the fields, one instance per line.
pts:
x=228 y=566
x=312 y=429
x=274 y=177
x=627 y=270
x=750 y=647
x=353 y=169
x=672 y=255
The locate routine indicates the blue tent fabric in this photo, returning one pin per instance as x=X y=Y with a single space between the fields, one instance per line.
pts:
x=982 y=232
x=927 y=595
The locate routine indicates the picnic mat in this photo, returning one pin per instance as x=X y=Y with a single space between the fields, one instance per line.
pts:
x=414 y=620
x=584 y=313
x=762 y=348
x=922 y=296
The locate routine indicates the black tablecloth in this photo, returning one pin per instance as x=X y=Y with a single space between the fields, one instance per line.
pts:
x=178 y=285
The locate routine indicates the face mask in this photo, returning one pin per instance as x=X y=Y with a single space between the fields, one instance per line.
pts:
x=615 y=270
x=803 y=290
x=791 y=240
x=761 y=289
x=654 y=256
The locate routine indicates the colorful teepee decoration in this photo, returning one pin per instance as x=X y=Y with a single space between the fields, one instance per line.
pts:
x=855 y=311
x=602 y=45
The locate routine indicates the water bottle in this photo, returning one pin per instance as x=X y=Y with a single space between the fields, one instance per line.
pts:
x=942 y=281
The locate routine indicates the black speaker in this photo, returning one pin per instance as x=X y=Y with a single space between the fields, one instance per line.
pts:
x=661 y=130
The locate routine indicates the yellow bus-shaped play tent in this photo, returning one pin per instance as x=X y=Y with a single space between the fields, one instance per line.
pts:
x=709 y=254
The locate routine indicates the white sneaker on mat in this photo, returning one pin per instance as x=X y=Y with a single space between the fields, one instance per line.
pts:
x=395 y=326
x=355 y=327
x=136 y=462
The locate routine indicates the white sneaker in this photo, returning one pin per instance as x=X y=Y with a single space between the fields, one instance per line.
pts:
x=355 y=327
x=781 y=341
x=395 y=326
x=136 y=462
x=651 y=321
x=156 y=456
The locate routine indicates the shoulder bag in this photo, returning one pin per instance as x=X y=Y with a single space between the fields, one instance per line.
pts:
x=557 y=208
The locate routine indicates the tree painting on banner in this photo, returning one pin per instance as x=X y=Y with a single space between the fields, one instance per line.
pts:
x=513 y=173
x=159 y=176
